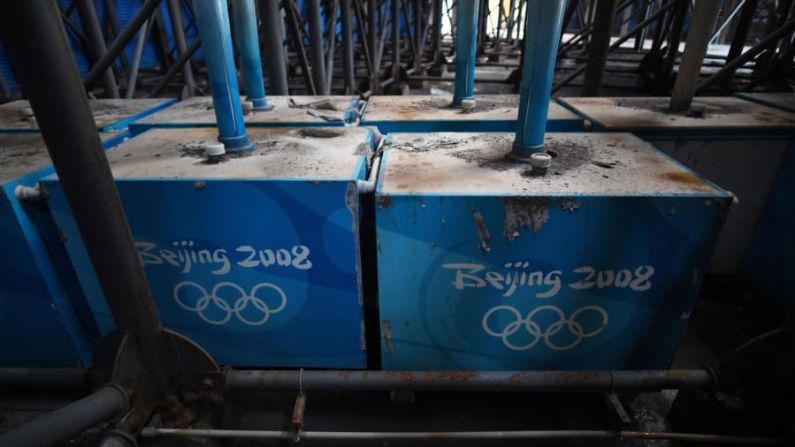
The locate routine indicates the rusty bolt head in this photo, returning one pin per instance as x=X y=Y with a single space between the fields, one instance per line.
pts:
x=541 y=160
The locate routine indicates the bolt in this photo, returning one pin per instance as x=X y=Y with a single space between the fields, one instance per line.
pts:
x=540 y=162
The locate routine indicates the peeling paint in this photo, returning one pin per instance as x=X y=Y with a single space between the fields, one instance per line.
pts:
x=483 y=231
x=528 y=212
x=569 y=204
x=386 y=334
x=384 y=201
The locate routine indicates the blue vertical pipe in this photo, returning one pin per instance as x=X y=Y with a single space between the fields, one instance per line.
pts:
x=542 y=33
x=212 y=19
x=244 y=15
x=465 y=49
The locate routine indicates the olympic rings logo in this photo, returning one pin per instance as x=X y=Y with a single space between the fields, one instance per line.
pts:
x=575 y=328
x=211 y=304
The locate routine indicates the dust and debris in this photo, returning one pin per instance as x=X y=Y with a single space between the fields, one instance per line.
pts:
x=21 y=154
x=320 y=132
x=569 y=204
x=483 y=231
x=196 y=149
x=323 y=104
x=424 y=143
x=483 y=104
x=524 y=212
x=386 y=334
x=477 y=163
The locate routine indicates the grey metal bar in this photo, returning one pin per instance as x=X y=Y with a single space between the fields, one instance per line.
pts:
x=347 y=46
x=738 y=40
x=175 y=67
x=132 y=79
x=511 y=381
x=316 y=47
x=120 y=43
x=273 y=40
x=747 y=56
x=36 y=42
x=96 y=42
x=395 y=20
x=699 y=33
x=295 y=31
x=372 y=41
x=152 y=432
x=600 y=42
x=102 y=405
x=175 y=15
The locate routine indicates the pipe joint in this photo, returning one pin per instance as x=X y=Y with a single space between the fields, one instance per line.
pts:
x=237 y=143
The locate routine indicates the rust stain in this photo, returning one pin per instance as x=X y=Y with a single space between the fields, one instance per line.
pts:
x=384 y=202
x=483 y=231
x=457 y=375
x=682 y=177
x=346 y=375
x=404 y=376
x=386 y=331
x=528 y=212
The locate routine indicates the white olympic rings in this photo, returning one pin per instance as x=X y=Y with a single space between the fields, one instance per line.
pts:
x=574 y=327
x=227 y=310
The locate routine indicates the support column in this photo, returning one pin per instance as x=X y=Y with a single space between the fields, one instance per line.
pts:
x=175 y=14
x=465 y=53
x=316 y=47
x=346 y=15
x=90 y=21
x=244 y=13
x=702 y=22
x=36 y=42
x=212 y=18
x=597 y=51
x=542 y=34
x=738 y=40
x=273 y=39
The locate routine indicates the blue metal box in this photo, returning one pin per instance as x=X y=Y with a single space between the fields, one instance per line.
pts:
x=255 y=258
x=422 y=113
x=288 y=111
x=110 y=115
x=44 y=320
x=482 y=266
x=737 y=144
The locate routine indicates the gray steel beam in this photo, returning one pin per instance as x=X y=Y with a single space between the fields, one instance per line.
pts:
x=600 y=42
x=96 y=42
x=699 y=33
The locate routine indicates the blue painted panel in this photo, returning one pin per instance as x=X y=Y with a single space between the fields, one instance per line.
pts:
x=259 y=273
x=605 y=282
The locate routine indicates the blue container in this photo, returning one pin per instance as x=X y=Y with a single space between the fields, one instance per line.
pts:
x=737 y=144
x=422 y=113
x=44 y=320
x=110 y=115
x=484 y=267
x=255 y=257
x=288 y=111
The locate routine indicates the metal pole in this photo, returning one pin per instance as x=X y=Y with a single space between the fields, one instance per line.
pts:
x=331 y=30
x=175 y=14
x=617 y=435
x=465 y=53
x=418 y=37
x=295 y=31
x=702 y=22
x=244 y=14
x=62 y=424
x=212 y=18
x=747 y=56
x=136 y=63
x=674 y=38
x=395 y=20
x=542 y=34
x=36 y=42
x=316 y=47
x=347 y=46
x=738 y=40
x=96 y=40
x=175 y=67
x=273 y=39
x=372 y=39
x=490 y=381
x=597 y=50
x=120 y=43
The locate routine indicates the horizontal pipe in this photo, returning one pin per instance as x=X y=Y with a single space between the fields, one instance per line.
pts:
x=42 y=377
x=496 y=381
x=62 y=424
x=152 y=432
